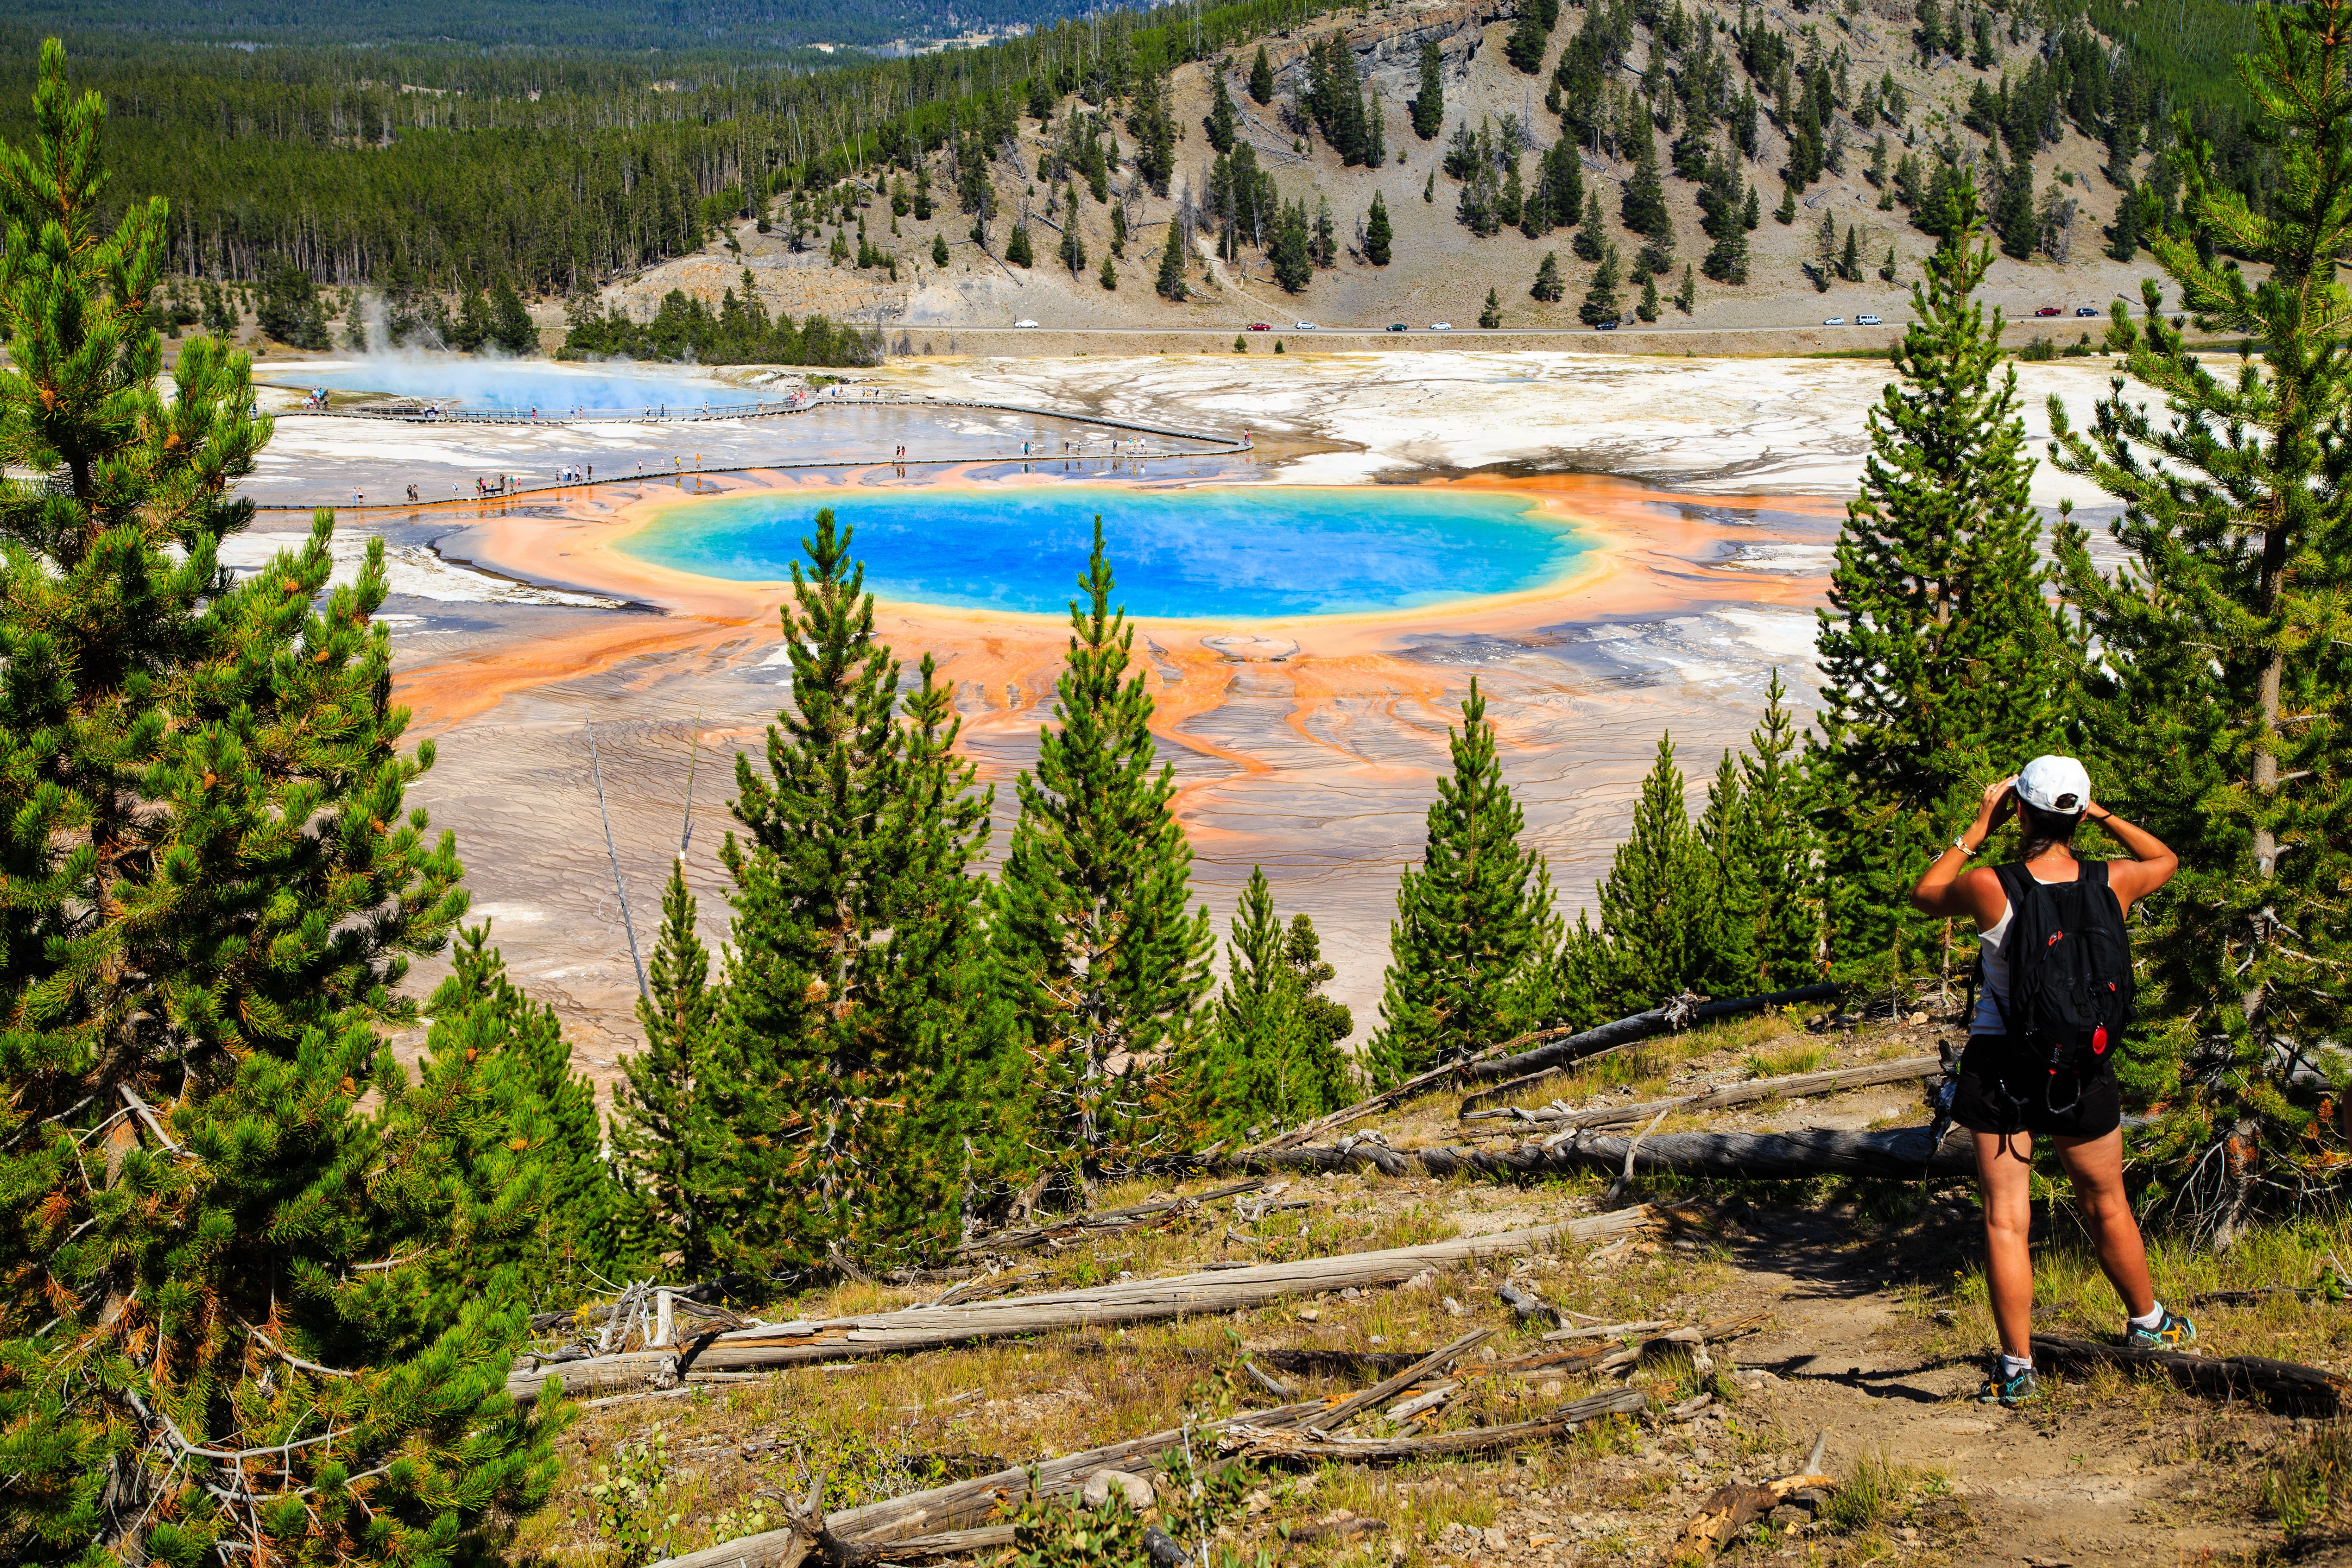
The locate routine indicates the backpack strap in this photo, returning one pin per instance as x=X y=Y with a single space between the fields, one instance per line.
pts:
x=2013 y=878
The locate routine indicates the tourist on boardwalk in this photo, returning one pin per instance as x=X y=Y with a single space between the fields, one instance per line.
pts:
x=2051 y=1012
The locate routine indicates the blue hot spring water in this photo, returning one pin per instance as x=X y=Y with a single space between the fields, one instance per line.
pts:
x=1212 y=553
x=519 y=384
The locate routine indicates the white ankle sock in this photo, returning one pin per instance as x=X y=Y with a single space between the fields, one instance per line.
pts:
x=2154 y=1319
x=2011 y=1365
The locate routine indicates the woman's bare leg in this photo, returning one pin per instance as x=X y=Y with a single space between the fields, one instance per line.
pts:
x=2096 y=1165
x=2005 y=1178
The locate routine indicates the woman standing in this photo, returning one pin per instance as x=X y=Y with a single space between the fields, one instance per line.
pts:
x=2017 y=1085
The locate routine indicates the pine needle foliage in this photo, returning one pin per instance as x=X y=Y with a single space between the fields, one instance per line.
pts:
x=1942 y=665
x=854 y=897
x=212 y=893
x=1474 y=924
x=1658 y=909
x=2216 y=697
x=663 y=1143
x=1269 y=1059
x=1103 y=956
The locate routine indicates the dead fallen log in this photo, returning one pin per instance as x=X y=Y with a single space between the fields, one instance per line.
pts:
x=2286 y=1387
x=1795 y=1086
x=1433 y=1364
x=771 y=1345
x=946 y=1546
x=1898 y=1154
x=1270 y=1443
x=1732 y=1508
x=1501 y=1063
x=1679 y=1014
x=1072 y=1227
x=959 y=1505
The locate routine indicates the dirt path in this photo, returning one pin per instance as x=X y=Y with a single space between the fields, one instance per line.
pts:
x=2112 y=1474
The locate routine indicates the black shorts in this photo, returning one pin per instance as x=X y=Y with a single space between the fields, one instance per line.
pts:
x=2004 y=1089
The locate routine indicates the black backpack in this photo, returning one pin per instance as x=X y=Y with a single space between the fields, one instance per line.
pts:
x=2070 y=975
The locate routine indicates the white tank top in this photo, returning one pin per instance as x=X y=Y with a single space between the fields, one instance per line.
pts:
x=1995 y=991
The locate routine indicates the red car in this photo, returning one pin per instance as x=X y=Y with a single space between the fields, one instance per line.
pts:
x=1265 y=327
x=2047 y=311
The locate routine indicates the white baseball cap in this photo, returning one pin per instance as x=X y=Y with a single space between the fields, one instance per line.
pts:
x=2055 y=785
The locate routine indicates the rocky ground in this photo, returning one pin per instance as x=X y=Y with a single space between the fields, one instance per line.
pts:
x=1873 y=1327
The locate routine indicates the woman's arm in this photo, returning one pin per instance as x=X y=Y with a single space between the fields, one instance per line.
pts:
x=2151 y=864
x=1949 y=889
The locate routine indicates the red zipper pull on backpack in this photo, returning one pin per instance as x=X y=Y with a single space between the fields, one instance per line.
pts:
x=2099 y=1041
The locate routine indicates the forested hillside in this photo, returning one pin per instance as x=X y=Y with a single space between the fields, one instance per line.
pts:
x=443 y=166
x=541 y=24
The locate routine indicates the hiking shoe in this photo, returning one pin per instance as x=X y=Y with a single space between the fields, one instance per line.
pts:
x=2168 y=1335
x=2009 y=1391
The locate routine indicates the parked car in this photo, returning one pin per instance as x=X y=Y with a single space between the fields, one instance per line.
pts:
x=1024 y=324
x=1867 y=321
x=1398 y=327
x=1441 y=326
x=1833 y=320
x=1303 y=326
x=2086 y=310
x=1261 y=326
x=1604 y=326
x=2047 y=311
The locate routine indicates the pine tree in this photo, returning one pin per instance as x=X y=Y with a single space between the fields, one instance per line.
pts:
x=1474 y=921
x=1109 y=275
x=2124 y=241
x=1105 y=960
x=1491 y=316
x=1017 y=250
x=1268 y=1062
x=1601 y=301
x=1657 y=902
x=1171 y=285
x=1941 y=666
x=1328 y=1022
x=1074 y=244
x=938 y=250
x=1220 y=124
x=1775 y=846
x=1376 y=132
x=478 y=1014
x=1261 y=79
x=1428 y=106
x=468 y=334
x=831 y=1008
x=1528 y=38
x=2217 y=700
x=1549 y=288
x=1726 y=258
x=1850 y=259
x=1378 y=236
x=1727 y=958
x=665 y=1139
x=1592 y=239
x=1290 y=254
x=214 y=890
x=1648 y=308
x=1786 y=213
x=2014 y=218
x=510 y=324
x=1644 y=206
x=1688 y=295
